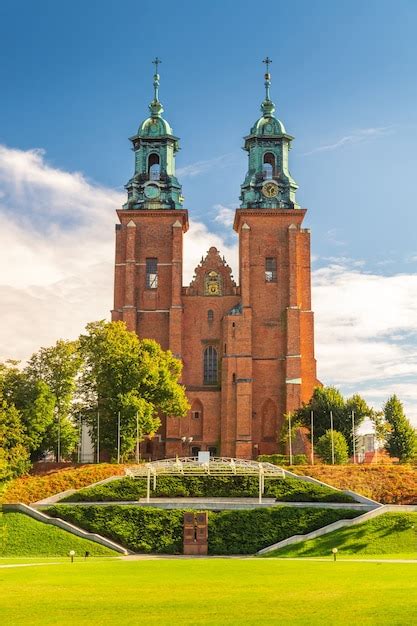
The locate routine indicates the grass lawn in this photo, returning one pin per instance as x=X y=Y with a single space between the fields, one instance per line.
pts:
x=217 y=591
x=22 y=536
x=393 y=535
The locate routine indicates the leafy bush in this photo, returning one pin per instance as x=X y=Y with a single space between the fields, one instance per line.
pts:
x=332 y=447
x=287 y=490
x=230 y=532
x=282 y=459
x=29 y=489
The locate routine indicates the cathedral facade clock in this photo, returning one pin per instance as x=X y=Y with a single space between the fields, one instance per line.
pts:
x=212 y=285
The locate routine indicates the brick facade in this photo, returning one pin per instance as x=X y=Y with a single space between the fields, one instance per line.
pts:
x=261 y=329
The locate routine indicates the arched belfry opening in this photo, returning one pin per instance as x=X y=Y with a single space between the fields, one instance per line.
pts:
x=268 y=167
x=154 y=166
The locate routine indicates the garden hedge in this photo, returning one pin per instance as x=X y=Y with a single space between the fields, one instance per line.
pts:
x=143 y=529
x=283 y=490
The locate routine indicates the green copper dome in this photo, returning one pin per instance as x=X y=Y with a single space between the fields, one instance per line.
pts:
x=268 y=183
x=154 y=184
x=154 y=127
x=268 y=125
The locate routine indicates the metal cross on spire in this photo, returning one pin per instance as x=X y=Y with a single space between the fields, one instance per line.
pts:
x=267 y=62
x=156 y=62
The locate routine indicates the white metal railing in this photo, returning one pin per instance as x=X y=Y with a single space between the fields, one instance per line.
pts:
x=216 y=466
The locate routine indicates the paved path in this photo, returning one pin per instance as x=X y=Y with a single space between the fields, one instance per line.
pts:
x=215 y=504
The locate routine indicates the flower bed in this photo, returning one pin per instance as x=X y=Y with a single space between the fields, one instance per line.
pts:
x=29 y=489
x=389 y=484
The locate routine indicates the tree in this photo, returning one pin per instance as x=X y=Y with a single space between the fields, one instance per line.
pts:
x=58 y=367
x=326 y=399
x=324 y=448
x=14 y=454
x=134 y=377
x=402 y=437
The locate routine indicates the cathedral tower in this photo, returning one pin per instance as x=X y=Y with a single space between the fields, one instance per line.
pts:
x=274 y=267
x=148 y=272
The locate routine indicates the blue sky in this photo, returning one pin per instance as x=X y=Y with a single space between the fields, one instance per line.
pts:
x=76 y=84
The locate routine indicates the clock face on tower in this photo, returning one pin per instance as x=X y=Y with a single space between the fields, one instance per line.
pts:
x=152 y=191
x=270 y=190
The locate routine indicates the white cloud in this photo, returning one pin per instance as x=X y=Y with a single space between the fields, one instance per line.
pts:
x=224 y=214
x=366 y=331
x=199 y=167
x=56 y=252
x=357 y=136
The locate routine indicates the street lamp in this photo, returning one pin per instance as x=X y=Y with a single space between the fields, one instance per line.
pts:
x=187 y=440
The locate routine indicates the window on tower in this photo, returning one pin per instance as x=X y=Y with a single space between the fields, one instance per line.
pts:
x=210 y=366
x=270 y=269
x=154 y=167
x=210 y=316
x=268 y=167
x=151 y=273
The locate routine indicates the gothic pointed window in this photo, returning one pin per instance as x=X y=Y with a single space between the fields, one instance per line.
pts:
x=154 y=168
x=210 y=316
x=268 y=167
x=210 y=366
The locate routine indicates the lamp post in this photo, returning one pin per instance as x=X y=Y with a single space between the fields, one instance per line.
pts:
x=331 y=432
x=187 y=440
x=290 y=439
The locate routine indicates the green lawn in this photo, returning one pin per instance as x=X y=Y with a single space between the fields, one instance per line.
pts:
x=216 y=591
x=21 y=536
x=393 y=535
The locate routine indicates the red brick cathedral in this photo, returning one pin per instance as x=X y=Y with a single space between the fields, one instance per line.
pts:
x=247 y=347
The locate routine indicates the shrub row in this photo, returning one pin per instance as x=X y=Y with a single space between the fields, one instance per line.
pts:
x=282 y=459
x=147 y=530
x=286 y=490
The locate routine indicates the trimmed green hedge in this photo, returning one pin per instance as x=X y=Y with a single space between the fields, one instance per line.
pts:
x=283 y=459
x=283 y=490
x=143 y=529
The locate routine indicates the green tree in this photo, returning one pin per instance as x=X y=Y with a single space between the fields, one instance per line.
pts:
x=14 y=453
x=58 y=367
x=324 y=447
x=326 y=399
x=34 y=401
x=134 y=377
x=402 y=437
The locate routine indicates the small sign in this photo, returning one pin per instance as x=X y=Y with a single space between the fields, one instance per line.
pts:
x=204 y=457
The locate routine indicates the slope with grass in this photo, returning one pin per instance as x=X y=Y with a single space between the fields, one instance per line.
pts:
x=143 y=529
x=389 y=484
x=21 y=535
x=210 y=592
x=287 y=490
x=30 y=489
x=392 y=535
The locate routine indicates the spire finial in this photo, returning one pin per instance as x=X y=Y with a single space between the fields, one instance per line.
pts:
x=267 y=106
x=155 y=106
